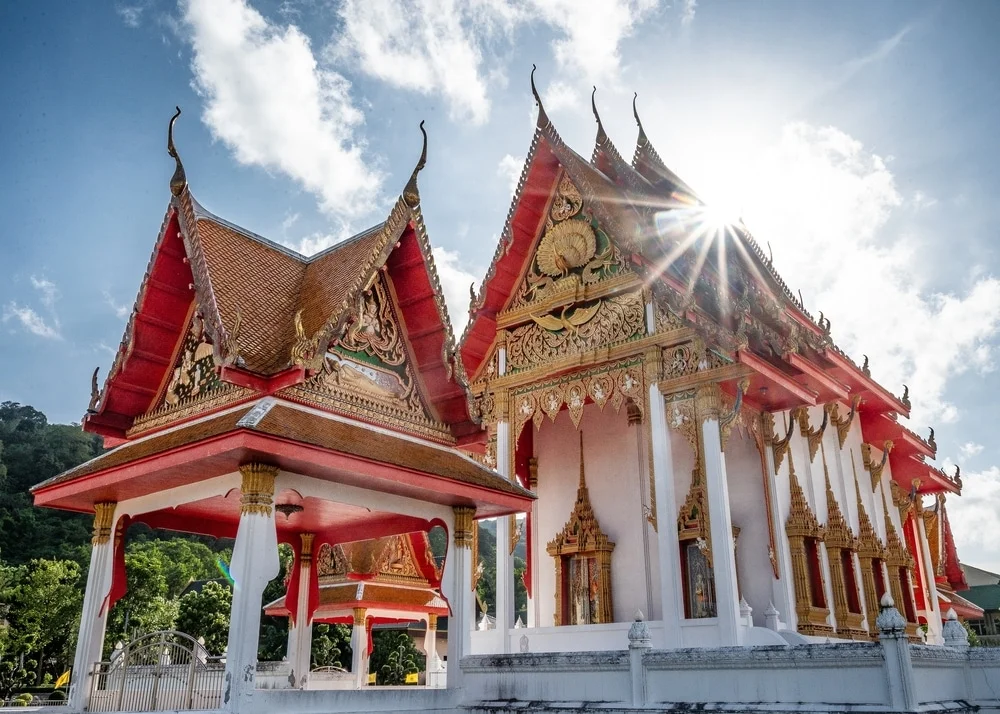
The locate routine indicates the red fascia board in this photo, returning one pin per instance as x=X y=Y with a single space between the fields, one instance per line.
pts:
x=834 y=388
x=777 y=377
x=877 y=396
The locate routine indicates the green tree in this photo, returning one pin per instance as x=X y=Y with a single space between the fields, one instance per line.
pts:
x=206 y=614
x=146 y=607
x=394 y=656
x=182 y=561
x=273 y=642
x=14 y=676
x=42 y=601
x=331 y=645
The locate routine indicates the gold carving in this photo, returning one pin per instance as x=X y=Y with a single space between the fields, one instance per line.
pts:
x=104 y=518
x=307 y=547
x=802 y=527
x=195 y=374
x=533 y=473
x=305 y=350
x=613 y=383
x=566 y=246
x=332 y=561
x=779 y=447
x=257 y=489
x=707 y=402
x=464 y=526
x=567 y=201
x=581 y=545
x=839 y=539
x=870 y=554
x=693 y=521
x=843 y=425
x=616 y=319
x=813 y=436
x=360 y=615
x=432 y=621
x=904 y=501
x=515 y=532
x=373 y=330
x=397 y=560
x=875 y=469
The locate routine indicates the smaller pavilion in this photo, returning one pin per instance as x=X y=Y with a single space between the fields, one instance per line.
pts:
x=383 y=580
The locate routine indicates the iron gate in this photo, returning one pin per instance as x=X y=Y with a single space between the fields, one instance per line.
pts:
x=165 y=670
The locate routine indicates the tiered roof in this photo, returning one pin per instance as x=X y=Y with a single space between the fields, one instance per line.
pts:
x=744 y=309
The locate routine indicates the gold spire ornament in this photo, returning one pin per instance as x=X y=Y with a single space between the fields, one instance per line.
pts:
x=410 y=194
x=179 y=180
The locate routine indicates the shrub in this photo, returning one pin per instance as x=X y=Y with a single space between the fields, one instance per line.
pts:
x=57 y=696
x=26 y=696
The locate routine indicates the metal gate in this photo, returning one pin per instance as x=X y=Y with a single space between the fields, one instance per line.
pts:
x=165 y=670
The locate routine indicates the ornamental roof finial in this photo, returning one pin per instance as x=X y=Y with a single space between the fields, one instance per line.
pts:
x=642 y=140
x=543 y=119
x=601 y=134
x=179 y=180
x=410 y=194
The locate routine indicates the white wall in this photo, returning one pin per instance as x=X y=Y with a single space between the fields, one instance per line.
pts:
x=612 y=461
x=749 y=514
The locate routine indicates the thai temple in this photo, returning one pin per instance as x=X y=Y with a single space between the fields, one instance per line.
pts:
x=721 y=508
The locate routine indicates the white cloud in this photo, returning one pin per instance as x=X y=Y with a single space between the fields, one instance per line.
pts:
x=48 y=289
x=455 y=282
x=131 y=15
x=688 y=8
x=510 y=169
x=922 y=200
x=559 y=96
x=270 y=100
x=975 y=519
x=440 y=46
x=970 y=448
x=120 y=309
x=823 y=201
x=31 y=321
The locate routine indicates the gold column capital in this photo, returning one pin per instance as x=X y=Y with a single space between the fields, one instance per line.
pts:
x=104 y=518
x=463 y=526
x=652 y=364
x=533 y=473
x=360 y=613
x=432 y=621
x=257 y=488
x=307 y=548
x=708 y=402
x=501 y=405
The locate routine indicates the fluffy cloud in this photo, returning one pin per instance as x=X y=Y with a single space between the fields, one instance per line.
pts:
x=29 y=318
x=823 y=201
x=970 y=448
x=975 y=519
x=510 y=169
x=121 y=310
x=270 y=100
x=455 y=282
x=438 y=46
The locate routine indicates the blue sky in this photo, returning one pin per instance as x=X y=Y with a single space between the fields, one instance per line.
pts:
x=857 y=138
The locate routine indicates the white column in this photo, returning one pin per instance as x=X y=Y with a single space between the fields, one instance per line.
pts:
x=300 y=633
x=457 y=583
x=935 y=627
x=707 y=403
x=671 y=604
x=781 y=595
x=93 y=620
x=505 y=561
x=359 y=648
x=430 y=642
x=255 y=563
x=533 y=603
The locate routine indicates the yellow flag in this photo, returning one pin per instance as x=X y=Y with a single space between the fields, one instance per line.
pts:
x=411 y=678
x=63 y=680
x=371 y=678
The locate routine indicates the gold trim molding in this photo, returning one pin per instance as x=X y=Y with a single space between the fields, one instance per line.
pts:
x=464 y=526
x=257 y=489
x=104 y=519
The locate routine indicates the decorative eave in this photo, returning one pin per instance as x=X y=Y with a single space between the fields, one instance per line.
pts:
x=951 y=567
x=647 y=162
x=606 y=158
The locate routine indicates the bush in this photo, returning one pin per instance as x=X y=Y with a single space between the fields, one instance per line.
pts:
x=57 y=696
x=26 y=696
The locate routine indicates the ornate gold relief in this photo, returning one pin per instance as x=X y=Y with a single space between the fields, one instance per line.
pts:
x=194 y=374
x=871 y=552
x=332 y=561
x=572 y=251
x=813 y=436
x=843 y=424
x=373 y=330
x=464 y=526
x=693 y=521
x=257 y=488
x=905 y=501
x=305 y=350
x=841 y=546
x=805 y=536
x=613 y=383
x=582 y=554
x=779 y=447
x=104 y=519
x=875 y=469
x=900 y=562
x=608 y=321
x=306 y=550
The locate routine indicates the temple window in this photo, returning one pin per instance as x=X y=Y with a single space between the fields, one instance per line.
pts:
x=816 y=594
x=880 y=586
x=850 y=582
x=694 y=539
x=904 y=586
x=582 y=554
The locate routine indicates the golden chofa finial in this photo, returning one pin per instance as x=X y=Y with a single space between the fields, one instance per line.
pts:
x=410 y=194
x=178 y=181
x=642 y=140
x=543 y=119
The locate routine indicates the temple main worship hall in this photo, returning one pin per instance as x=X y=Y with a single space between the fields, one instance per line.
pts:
x=718 y=506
